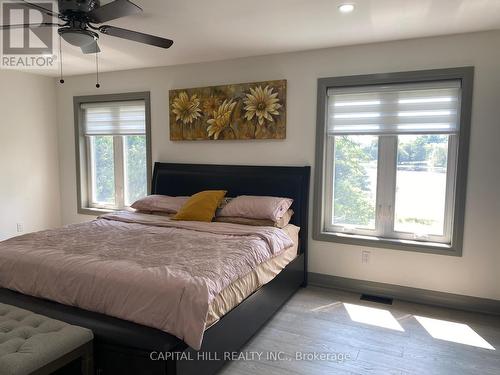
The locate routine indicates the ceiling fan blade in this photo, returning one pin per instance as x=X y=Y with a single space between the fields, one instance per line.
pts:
x=39 y=7
x=136 y=36
x=91 y=48
x=29 y=25
x=113 y=10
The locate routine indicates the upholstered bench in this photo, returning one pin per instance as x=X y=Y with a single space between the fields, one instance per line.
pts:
x=35 y=344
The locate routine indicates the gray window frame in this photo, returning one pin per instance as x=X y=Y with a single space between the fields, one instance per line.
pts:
x=466 y=76
x=81 y=149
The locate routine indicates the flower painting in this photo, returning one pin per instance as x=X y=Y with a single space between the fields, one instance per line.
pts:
x=239 y=111
x=261 y=103
x=186 y=109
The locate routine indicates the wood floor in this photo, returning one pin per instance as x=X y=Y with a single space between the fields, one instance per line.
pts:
x=358 y=337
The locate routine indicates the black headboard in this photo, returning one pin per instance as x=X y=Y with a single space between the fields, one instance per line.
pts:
x=288 y=182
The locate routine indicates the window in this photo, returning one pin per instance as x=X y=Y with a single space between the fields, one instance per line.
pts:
x=392 y=154
x=113 y=149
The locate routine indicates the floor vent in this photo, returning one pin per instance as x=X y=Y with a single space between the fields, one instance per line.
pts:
x=377 y=299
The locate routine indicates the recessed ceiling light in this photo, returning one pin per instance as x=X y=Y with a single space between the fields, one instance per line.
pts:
x=346 y=8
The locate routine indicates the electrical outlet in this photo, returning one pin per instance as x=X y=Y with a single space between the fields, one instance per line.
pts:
x=365 y=257
x=20 y=228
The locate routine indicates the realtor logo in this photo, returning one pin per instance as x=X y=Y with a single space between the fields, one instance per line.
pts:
x=26 y=47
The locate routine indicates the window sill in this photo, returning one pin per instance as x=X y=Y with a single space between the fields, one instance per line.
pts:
x=91 y=211
x=388 y=243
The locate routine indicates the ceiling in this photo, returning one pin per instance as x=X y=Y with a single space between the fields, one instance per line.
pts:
x=224 y=29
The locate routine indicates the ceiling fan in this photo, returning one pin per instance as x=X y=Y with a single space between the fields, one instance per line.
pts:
x=81 y=23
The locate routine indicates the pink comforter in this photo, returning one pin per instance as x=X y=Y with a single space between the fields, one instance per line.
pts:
x=142 y=268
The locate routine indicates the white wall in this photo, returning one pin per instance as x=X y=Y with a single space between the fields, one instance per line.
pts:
x=29 y=168
x=476 y=273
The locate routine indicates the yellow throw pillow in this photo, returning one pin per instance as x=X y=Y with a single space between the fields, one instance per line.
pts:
x=201 y=206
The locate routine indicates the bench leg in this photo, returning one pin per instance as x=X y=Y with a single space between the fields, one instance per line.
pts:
x=88 y=360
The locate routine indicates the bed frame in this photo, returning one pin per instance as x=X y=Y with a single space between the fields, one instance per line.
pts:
x=122 y=347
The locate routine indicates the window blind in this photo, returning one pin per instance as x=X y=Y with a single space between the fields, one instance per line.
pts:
x=395 y=109
x=114 y=118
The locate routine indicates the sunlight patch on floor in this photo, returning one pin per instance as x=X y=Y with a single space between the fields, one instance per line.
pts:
x=453 y=332
x=373 y=316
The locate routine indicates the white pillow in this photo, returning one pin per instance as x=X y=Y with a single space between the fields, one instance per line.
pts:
x=257 y=207
x=159 y=203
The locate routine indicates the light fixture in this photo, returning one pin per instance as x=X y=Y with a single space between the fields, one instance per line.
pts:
x=78 y=37
x=83 y=38
x=346 y=8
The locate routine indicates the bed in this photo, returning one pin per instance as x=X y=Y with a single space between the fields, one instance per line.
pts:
x=125 y=347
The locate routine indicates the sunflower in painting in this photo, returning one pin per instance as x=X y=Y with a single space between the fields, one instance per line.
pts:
x=211 y=104
x=221 y=118
x=261 y=103
x=186 y=109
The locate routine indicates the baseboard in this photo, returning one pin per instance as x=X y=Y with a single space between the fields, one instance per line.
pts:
x=404 y=293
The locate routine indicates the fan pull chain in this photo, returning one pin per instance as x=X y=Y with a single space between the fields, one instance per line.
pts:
x=61 y=78
x=97 y=69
